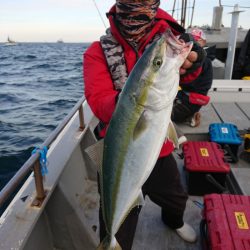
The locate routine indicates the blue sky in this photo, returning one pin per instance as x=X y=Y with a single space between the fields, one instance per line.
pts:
x=78 y=20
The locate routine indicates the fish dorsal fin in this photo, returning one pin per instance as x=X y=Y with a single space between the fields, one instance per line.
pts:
x=95 y=153
x=140 y=126
x=172 y=134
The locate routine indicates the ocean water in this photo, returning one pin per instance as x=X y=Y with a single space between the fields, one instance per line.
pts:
x=39 y=84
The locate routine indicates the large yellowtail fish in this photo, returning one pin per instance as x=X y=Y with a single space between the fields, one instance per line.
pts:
x=137 y=131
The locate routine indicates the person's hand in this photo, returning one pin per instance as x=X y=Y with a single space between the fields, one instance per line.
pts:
x=188 y=63
x=195 y=58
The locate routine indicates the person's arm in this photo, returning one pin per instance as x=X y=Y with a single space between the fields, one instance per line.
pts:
x=190 y=77
x=204 y=82
x=192 y=66
x=98 y=86
x=199 y=88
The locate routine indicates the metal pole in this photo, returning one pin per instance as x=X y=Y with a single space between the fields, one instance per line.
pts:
x=40 y=192
x=81 y=118
x=191 y=22
x=185 y=12
x=173 y=10
x=232 y=42
x=182 y=13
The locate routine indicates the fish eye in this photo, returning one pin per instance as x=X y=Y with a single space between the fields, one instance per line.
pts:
x=157 y=62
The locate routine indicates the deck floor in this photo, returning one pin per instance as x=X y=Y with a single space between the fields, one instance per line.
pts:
x=151 y=233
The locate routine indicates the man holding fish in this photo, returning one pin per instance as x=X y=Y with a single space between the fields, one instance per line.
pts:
x=194 y=93
x=131 y=79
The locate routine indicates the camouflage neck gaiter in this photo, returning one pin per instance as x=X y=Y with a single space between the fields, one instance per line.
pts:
x=135 y=18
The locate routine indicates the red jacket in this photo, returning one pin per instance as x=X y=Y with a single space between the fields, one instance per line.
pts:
x=98 y=85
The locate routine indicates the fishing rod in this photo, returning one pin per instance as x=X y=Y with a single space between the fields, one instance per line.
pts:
x=100 y=15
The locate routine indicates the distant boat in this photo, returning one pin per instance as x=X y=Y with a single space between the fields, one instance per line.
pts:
x=10 y=42
x=60 y=41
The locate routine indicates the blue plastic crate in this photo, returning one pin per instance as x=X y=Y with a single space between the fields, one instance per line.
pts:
x=227 y=135
x=224 y=133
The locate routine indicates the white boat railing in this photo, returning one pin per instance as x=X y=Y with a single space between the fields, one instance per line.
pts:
x=227 y=85
x=34 y=163
x=230 y=91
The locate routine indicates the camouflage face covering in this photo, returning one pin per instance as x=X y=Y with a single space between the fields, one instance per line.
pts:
x=135 y=18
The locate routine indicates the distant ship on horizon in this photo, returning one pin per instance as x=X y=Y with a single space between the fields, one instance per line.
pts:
x=60 y=41
x=10 y=42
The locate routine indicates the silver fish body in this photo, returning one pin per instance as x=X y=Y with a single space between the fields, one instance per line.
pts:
x=138 y=129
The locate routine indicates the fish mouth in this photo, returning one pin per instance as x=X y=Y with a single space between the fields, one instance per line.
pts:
x=178 y=46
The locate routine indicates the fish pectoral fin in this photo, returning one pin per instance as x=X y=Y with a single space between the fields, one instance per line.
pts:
x=140 y=126
x=95 y=153
x=172 y=134
x=140 y=201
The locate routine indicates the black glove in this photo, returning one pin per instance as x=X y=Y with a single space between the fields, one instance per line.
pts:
x=186 y=37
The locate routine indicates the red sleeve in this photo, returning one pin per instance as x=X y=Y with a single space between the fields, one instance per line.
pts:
x=98 y=85
x=191 y=77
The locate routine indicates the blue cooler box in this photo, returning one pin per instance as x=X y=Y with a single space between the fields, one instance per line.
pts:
x=226 y=134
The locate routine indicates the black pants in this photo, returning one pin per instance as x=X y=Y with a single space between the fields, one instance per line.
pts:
x=183 y=109
x=164 y=188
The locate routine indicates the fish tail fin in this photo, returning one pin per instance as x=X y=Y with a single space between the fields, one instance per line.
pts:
x=109 y=243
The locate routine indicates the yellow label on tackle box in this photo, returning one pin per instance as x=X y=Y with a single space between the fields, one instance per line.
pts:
x=204 y=152
x=241 y=220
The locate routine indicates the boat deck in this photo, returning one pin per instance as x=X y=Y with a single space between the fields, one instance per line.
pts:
x=151 y=232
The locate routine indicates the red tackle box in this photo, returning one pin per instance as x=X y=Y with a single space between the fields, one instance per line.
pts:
x=227 y=221
x=204 y=161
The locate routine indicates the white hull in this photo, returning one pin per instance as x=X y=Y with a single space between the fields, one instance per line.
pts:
x=10 y=44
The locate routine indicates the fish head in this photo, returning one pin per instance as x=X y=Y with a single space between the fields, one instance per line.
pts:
x=177 y=49
x=161 y=73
